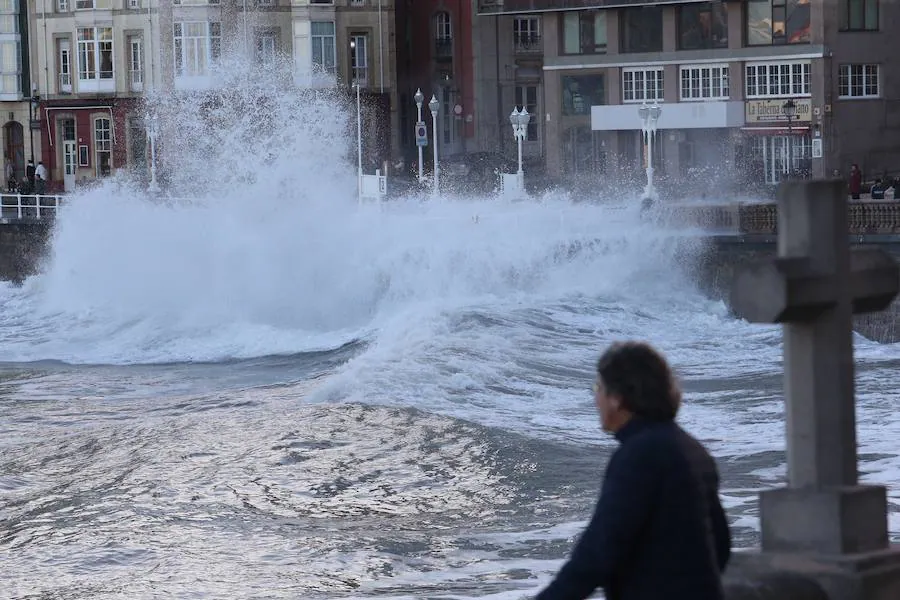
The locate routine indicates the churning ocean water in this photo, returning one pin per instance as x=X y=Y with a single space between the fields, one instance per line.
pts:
x=271 y=392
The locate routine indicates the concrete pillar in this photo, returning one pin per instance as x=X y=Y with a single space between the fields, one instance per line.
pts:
x=552 y=121
x=670 y=29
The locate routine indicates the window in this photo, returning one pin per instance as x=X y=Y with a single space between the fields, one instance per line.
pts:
x=64 y=66
x=584 y=32
x=704 y=82
x=526 y=97
x=703 y=25
x=580 y=93
x=95 y=54
x=266 y=48
x=858 y=15
x=134 y=3
x=198 y=44
x=135 y=63
x=62 y=5
x=9 y=67
x=858 y=81
x=526 y=34
x=777 y=79
x=103 y=146
x=9 y=17
x=359 y=61
x=84 y=3
x=322 y=34
x=443 y=35
x=777 y=22
x=642 y=85
x=641 y=29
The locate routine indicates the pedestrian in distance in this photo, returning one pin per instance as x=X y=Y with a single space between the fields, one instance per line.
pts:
x=658 y=531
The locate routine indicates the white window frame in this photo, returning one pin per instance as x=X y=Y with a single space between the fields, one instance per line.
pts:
x=135 y=50
x=210 y=41
x=266 y=47
x=777 y=79
x=84 y=4
x=360 y=59
x=443 y=26
x=62 y=6
x=102 y=144
x=643 y=85
x=859 y=76
x=64 y=58
x=134 y=3
x=93 y=79
x=325 y=42
x=694 y=80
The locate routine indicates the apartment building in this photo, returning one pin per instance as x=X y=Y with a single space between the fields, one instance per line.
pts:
x=97 y=61
x=752 y=89
x=16 y=102
x=435 y=54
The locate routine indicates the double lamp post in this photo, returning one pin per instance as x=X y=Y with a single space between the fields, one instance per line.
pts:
x=422 y=140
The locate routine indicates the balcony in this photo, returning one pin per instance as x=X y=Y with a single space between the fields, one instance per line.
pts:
x=443 y=48
x=136 y=80
x=65 y=83
x=527 y=43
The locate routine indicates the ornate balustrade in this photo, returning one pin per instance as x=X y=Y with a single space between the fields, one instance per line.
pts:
x=865 y=218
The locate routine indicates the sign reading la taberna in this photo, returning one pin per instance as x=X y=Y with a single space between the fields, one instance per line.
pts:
x=518 y=6
x=772 y=111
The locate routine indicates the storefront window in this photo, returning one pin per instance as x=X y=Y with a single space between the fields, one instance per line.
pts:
x=580 y=93
x=777 y=22
x=703 y=25
x=584 y=32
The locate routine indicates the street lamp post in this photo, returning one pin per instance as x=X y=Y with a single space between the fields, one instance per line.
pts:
x=34 y=106
x=790 y=111
x=649 y=118
x=419 y=98
x=152 y=124
x=519 y=121
x=433 y=106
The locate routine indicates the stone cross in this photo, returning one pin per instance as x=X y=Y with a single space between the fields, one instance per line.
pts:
x=813 y=288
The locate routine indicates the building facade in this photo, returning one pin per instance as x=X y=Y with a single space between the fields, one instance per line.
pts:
x=435 y=54
x=16 y=88
x=97 y=60
x=722 y=72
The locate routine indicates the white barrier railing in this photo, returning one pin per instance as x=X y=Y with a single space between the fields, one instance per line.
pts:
x=28 y=206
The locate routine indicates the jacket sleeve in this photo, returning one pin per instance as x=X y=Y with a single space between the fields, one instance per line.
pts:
x=721 y=532
x=621 y=513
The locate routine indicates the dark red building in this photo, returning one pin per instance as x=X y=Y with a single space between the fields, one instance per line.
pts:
x=434 y=54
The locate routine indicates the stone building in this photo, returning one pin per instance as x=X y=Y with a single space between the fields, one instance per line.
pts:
x=96 y=60
x=722 y=72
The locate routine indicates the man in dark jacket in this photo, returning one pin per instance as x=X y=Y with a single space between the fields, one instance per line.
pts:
x=658 y=531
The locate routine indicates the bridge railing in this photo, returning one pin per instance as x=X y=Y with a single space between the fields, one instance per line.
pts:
x=29 y=206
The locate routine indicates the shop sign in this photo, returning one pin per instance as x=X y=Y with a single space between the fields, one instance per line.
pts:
x=772 y=111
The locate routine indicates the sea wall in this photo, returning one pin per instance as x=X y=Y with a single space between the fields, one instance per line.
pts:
x=722 y=257
x=23 y=244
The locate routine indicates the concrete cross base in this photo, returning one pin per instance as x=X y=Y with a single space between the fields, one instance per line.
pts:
x=866 y=576
x=833 y=520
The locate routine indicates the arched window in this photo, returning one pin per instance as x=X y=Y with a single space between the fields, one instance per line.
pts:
x=15 y=148
x=443 y=31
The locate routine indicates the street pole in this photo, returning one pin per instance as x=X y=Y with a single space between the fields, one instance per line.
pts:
x=420 y=98
x=34 y=100
x=359 y=148
x=433 y=106
x=790 y=110
x=152 y=131
x=519 y=120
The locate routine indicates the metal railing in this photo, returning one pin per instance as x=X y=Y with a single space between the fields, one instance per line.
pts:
x=527 y=43
x=28 y=207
